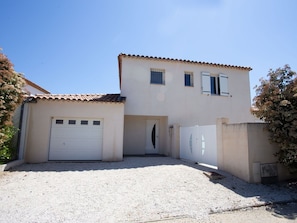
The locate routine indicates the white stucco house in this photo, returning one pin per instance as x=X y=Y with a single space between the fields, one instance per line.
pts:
x=156 y=94
x=164 y=92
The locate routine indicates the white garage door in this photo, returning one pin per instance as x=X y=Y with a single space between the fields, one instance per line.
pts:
x=76 y=139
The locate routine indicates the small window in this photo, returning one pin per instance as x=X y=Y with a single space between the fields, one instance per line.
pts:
x=71 y=122
x=213 y=85
x=59 y=121
x=96 y=122
x=157 y=77
x=189 y=79
x=84 y=122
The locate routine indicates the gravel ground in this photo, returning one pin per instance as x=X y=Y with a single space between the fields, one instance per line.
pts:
x=277 y=213
x=139 y=189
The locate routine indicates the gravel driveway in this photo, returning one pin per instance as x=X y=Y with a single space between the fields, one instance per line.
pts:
x=139 y=189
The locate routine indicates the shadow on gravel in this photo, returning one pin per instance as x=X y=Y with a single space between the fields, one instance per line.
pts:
x=288 y=210
x=280 y=198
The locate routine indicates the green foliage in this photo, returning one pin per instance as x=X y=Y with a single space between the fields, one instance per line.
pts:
x=7 y=152
x=11 y=96
x=276 y=104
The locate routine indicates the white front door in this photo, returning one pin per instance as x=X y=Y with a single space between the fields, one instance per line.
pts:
x=152 y=137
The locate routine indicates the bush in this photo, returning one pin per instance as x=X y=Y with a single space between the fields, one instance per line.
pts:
x=276 y=104
x=7 y=152
x=11 y=96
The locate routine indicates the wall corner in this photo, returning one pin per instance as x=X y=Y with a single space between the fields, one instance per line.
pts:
x=174 y=132
x=220 y=147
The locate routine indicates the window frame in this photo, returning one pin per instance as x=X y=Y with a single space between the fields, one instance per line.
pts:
x=84 y=122
x=191 y=79
x=153 y=79
x=214 y=84
x=71 y=122
x=59 y=121
x=96 y=122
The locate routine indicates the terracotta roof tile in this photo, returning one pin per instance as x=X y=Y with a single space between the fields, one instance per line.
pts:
x=114 y=98
x=184 y=61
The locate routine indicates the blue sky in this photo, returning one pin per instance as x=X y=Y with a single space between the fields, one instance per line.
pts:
x=71 y=46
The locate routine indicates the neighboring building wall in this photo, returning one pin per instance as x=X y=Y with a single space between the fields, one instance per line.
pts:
x=31 y=88
x=242 y=148
x=39 y=126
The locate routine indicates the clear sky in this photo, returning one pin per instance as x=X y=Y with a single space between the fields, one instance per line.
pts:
x=71 y=46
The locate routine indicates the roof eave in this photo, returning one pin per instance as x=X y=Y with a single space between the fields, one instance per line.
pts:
x=183 y=61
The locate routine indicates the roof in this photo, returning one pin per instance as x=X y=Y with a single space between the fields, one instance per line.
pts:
x=113 y=98
x=184 y=61
x=122 y=55
x=28 y=82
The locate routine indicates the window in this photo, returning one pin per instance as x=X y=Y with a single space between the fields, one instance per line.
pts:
x=71 y=122
x=189 y=79
x=157 y=77
x=83 y=122
x=215 y=85
x=59 y=121
x=96 y=122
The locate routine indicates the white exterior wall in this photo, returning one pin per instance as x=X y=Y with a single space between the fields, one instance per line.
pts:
x=186 y=106
x=243 y=148
x=17 y=116
x=40 y=114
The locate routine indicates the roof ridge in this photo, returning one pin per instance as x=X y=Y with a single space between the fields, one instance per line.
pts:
x=116 y=98
x=80 y=94
x=184 y=61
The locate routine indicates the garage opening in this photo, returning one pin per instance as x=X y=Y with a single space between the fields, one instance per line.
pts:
x=76 y=139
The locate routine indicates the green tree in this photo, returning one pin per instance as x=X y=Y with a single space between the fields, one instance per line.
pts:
x=276 y=104
x=11 y=96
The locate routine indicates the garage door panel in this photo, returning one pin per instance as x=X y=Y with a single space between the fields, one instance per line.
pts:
x=74 y=155
x=66 y=133
x=76 y=141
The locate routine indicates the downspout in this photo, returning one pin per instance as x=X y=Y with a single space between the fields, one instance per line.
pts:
x=20 y=130
x=23 y=125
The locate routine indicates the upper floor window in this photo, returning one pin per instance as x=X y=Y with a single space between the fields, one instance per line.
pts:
x=157 y=77
x=216 y=85
x=189 y=79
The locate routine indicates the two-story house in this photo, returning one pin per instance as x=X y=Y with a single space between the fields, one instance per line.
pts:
x=161 y=92
x=156 y=95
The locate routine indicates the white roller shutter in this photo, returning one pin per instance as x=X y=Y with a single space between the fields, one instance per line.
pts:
x=76 y=139
x=224 y=85
x=205 y=83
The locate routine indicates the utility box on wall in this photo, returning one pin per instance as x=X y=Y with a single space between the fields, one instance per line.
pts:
x=269 y=173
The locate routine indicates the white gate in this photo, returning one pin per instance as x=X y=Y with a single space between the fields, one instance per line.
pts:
x=199 y=144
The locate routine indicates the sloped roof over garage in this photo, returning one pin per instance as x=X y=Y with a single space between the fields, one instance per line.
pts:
x=113 y=98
